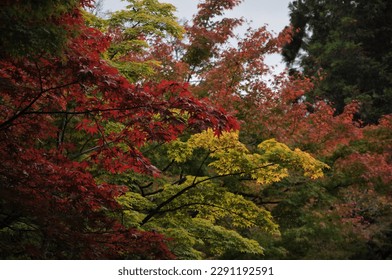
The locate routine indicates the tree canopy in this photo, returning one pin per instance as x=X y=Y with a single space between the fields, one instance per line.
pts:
x=134 y=136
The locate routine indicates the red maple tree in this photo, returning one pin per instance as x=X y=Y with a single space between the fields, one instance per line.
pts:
x=55 y=112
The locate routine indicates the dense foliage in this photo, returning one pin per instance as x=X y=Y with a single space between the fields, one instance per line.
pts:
x=134 y=136
x=65 y=117
x=348 y=44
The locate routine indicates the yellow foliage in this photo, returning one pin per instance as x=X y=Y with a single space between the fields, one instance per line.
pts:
x=271 y=163
x=179 y=151
x=205 y=216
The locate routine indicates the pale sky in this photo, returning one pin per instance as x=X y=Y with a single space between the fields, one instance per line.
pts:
x=261 y=12
x=273 y=13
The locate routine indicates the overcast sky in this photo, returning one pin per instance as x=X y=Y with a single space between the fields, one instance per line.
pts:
x=273 y=13
x=261 y=12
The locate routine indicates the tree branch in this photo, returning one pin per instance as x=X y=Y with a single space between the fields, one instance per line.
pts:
x=81 y=112
x=205 y=204
x=24 y=111
x=201 y=165
x=194 y=184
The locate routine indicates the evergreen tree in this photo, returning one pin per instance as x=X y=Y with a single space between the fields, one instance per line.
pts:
x=349 y=44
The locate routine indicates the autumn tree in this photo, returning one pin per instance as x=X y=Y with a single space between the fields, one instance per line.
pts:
x=316 y=216
x=176 y=204
x=198 y=204
x=114 y=143
x=60 y=113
